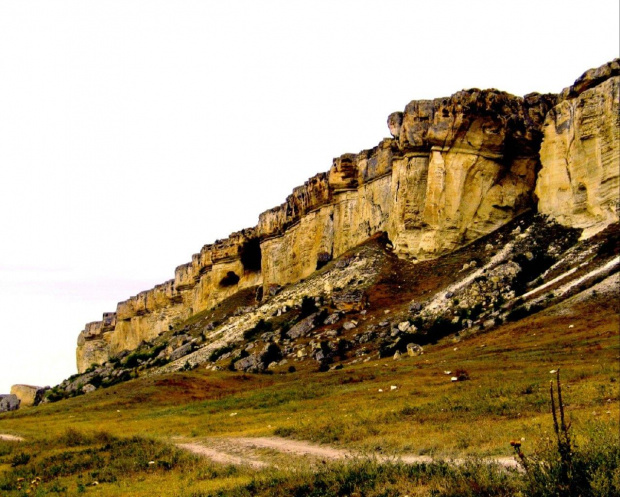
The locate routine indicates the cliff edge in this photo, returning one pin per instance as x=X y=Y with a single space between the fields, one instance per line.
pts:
x=454 y=170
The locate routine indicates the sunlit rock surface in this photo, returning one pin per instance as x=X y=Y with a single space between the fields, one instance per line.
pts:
x=578 y=184
x=455 y=169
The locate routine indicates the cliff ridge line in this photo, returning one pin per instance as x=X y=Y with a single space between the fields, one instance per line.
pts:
x=455 y=169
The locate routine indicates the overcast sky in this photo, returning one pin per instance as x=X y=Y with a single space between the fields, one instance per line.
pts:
x=134 y=132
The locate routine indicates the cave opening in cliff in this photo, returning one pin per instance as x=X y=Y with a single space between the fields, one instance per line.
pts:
x=250 y=255
x=231 y=279
x=322 y=259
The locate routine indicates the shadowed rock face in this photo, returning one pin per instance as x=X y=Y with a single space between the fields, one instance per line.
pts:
x=455 y=169
x=9 y=403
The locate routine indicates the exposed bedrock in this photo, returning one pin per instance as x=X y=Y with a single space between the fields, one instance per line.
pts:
x=28 y=395
x=578 y=184
x=455 y=169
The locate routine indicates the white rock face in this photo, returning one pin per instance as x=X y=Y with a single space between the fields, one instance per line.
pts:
x=580 y=154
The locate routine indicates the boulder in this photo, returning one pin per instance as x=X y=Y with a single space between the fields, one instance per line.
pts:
x=415 y=307
x=318 y=355
x=181 y=351
x=332 y=319
x=9 y=402
x=88 y=388
x=29 y=395
x=249 y=364
x=303 y=328
x=414 y=349
x=404 y=326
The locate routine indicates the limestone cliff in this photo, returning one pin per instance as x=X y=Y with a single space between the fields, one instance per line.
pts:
x=455 y=169
x=578 y=184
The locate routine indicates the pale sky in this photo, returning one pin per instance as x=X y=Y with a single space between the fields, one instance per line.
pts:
x=134 y=132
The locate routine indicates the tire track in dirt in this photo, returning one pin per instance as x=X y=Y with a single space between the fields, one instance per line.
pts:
x=237 y=450
x=10 y=438
x=222 y=457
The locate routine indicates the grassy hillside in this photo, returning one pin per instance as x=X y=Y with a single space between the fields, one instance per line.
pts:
x=122 y=436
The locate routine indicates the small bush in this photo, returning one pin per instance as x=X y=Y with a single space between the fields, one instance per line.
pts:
x=461 y=375
x=308 y=306
x=56 y=394
x=261 y=327
x=284 y=329
x=283 y=431
x=217 y=353
x=273 y=353
x=323 y=366
x=440 y=328
x=74 y=438
x=188 y=366
x=20 y=459
x=564 y=469
x=523 y=311
x=133 y=360
x=530 y=269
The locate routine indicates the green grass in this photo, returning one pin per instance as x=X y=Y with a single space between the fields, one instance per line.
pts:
x=506 y=398
x=100 y=463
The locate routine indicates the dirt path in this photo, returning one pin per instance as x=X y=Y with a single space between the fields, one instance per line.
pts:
x=245 y=451
x=221 y=457
x=10 y=438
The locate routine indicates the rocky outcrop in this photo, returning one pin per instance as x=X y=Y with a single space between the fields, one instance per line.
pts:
x=9 y=403
x=28 y=395
x=216 y=272
x=579 y=182
x=455 y=169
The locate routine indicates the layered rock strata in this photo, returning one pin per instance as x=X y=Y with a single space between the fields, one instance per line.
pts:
x=579 y=183
x=455 y=169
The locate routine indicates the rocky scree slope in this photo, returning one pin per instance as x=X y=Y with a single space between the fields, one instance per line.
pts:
x=456 y=170
x=369 y=304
